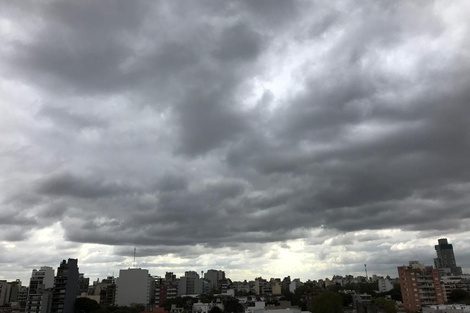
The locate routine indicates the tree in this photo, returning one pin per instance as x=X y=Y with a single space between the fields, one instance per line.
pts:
x=86 y=305
x=347 y=299
x=395 y=293
x=215 y=309
x=327 y=302
x=459 y=296
x=387 y=306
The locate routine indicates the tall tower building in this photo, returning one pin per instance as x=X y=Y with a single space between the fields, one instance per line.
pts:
x=445 y=260
x=420 y=286
x=65 y=287
x=39 y=297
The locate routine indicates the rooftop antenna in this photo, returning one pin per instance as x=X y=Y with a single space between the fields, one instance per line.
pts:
x=365 y=267
x=134 y=259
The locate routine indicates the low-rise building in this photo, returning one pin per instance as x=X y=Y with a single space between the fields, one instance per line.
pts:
x=447 y=308
x=450 y=283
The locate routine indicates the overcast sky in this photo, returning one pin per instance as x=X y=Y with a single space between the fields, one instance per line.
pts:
x=261 y=137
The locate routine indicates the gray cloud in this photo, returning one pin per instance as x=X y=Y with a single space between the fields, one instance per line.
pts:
x=192 y=128
x=67 y=184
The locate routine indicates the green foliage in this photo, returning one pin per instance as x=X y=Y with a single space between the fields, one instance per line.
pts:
x=347 y=299
x=271 y=301
x=459 y=296
x=327 y=302
x=385 y=305
x=215 y=309
x=86 y=305
x=181 y=302
x=369 y=288
x=206 y=298
x=302 y=295
x=287 y=296
x=395 y=293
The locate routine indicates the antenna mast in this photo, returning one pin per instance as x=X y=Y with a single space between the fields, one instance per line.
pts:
x=365 y=267
x=134 y=264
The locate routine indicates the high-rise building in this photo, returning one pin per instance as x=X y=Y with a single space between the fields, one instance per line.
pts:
x=14 y=290
x=133 y=286
x=420 y=286
x=39 y=297
x=4 y=292
x=65 y=287
x=160 y=290
x=445 y=260
x=190 y=284
x=215 y=276
x=171 y=285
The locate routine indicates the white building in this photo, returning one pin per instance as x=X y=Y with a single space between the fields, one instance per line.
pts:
x=258 y=308
x=133 y=286
x=447 y=308
x=40 y=290
x=384 y=285
x=201 y=307
x=294 y=285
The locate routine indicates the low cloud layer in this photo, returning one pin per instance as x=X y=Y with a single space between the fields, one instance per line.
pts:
x=238 y=129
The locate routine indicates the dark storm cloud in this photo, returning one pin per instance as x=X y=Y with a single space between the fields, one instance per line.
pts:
x=161 y=124
x=12 y=218
x=67 y=184
x=79 y=46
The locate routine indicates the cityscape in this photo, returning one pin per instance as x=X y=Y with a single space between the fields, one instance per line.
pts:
x=441 y=287
x=234 y=156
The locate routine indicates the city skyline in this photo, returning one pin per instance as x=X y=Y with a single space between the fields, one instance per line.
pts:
x=263 y=138
x=365 y=273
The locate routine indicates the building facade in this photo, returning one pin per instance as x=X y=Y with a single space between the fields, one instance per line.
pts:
x=384 y=284
x=420 y=286
x=65 y=287
x=445 y=260
x=39 y=299
x=4 y=292
x=133 y=286
x=190 y=284
x=214 y=276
